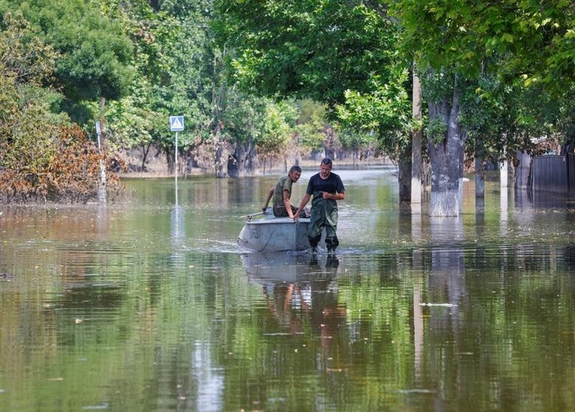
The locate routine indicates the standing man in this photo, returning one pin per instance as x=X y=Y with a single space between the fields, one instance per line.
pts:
x=326 y=188
x=281 y=193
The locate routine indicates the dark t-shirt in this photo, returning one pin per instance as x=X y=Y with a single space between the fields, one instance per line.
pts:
x=332 y=184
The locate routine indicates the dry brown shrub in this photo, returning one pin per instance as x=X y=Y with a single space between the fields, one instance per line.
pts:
x=71 y=174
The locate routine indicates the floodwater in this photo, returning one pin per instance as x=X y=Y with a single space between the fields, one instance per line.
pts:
x=150 y=306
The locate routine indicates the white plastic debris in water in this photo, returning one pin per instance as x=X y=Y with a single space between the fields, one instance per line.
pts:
x=446 y=305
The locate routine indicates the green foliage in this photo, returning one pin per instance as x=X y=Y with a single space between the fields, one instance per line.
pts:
x=24 y=56
x=508 y=59
x=311 y=125
x=279 y=126
x=307 y=49
x=384 y=113
x=338 y=53
x=131 y=120
x=26 y=121
x=42 y=157
x=357 y=141
x=94 y=53
x=218 y=63
x=531 y=41
x=436 y=131
x=243 y=118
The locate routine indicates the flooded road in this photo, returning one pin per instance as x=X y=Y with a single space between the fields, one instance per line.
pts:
x=150 y=305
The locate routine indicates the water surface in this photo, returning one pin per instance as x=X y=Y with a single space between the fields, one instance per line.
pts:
x=150 y=305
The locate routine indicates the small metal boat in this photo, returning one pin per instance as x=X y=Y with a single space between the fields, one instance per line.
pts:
x=263 y=232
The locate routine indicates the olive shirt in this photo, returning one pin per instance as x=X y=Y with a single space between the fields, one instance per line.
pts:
x=285 y=183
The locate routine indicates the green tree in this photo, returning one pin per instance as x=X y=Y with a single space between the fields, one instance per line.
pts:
x=459 y=45
x=340 y=53
x=310 y=130
x=140 y=118
x=42 y=157
x=95 y=53
x=179 y=72
x=27 y=124
x=278 y=133
x=306 y=49
x=385 y=113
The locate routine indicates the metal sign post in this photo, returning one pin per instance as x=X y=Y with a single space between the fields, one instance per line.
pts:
x=102 y=187
x=176 y=167
x=98 y=133
x=176 y=125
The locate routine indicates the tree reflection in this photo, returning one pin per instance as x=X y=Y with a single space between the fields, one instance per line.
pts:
x=298 y=289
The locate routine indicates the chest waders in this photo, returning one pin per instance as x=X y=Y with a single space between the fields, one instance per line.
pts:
x=323 y=215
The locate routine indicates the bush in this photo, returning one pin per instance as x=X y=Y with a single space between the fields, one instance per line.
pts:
x=69 y=171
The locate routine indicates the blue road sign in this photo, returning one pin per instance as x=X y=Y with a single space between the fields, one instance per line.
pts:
x=176 y=123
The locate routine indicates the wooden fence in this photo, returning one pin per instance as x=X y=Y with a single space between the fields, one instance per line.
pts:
x=571 y=172
x=549 y=174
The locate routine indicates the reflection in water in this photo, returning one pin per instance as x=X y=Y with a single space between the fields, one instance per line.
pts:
x=152 y=306
x=301 y=291
x=504 y=210
x=177 y=225
x=177 y=234
x=446 y=293
x=210 y=382
x=279 y=267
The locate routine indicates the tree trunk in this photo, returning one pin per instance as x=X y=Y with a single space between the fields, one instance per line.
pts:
x=479 y=177
x=404 y=175
x=219 y=160
x=236 y=162
x=170 y=161
x=243 y=161
x=446 y=158
x=252 y=164
x=416 y=155
x=145 y=151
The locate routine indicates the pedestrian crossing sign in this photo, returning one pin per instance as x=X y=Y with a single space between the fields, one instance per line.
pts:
x=176 y=123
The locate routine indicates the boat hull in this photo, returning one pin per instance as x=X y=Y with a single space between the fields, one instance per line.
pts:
x=275 y=234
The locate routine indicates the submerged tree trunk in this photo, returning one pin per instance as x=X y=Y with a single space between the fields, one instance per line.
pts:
x=170 y=161
x=145 y=152
x=446 y=157
x=404 y=175
x=237 y=162
x=243 y=161
x=416 y=155
x=219 y=160
x=479 y=177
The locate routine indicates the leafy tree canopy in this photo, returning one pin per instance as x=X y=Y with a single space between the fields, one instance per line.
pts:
x=305 y=49
x=95 y=53
x=531 y=39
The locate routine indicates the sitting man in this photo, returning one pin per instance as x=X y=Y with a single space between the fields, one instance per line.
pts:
x=281 y=193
